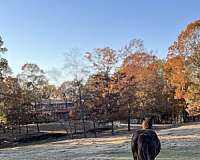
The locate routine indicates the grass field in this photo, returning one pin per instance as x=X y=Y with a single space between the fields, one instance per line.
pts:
x=182 y=143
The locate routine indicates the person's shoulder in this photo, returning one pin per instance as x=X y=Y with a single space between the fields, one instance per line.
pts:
x=139 y=131
x=150 y=132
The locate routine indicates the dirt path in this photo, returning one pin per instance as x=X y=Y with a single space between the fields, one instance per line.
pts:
x=182 y=143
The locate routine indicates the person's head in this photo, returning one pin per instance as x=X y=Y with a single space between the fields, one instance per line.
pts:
x=147 y=123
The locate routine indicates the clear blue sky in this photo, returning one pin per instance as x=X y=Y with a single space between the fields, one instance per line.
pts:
x=41 y=31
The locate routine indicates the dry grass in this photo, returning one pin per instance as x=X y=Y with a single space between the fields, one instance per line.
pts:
x=182 y=143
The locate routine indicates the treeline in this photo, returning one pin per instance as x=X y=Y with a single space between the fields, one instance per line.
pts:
x=130 y=82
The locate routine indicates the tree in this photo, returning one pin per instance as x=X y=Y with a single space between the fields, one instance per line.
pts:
x=16 y=111
x=187 y=41
x=95 y=94
x=33 y=80
x=103 y=61
x=182 y=66
x=193 y=90
x=75 y=66
x=68 y=91
x=123 y=87
x=3 y=68
x=3 y=62
x=2 y=48
x=148 y=78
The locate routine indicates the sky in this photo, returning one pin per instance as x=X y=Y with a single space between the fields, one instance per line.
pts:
x=41 y=31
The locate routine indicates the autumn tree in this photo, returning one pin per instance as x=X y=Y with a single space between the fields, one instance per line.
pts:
x=144 y=72
x=17 y=110
x=123 y=86
x=94 y=100
x=3 y=68
x=103 y=61
x=32 y=79
x=176 y=84
x=193 y=90
x=182 y=66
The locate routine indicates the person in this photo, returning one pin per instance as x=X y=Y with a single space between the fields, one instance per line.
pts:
x=145 y=144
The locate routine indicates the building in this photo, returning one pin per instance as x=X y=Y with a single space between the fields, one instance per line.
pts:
x=54 y=109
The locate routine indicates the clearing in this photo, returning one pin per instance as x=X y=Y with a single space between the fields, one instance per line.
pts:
x=180 y=143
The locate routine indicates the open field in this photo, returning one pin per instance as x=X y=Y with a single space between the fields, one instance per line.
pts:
x=182 y=143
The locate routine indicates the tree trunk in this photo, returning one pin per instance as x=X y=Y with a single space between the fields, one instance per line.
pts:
x=27 y=128
x=95 y=134
x=36 y=118
x=19 y=128
x=37 y=124
x=12 y=129
x=129 y=127
x=84 y=129
x=112 y=128
x=38 y=128
x=4 y=129
x=82 y=111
